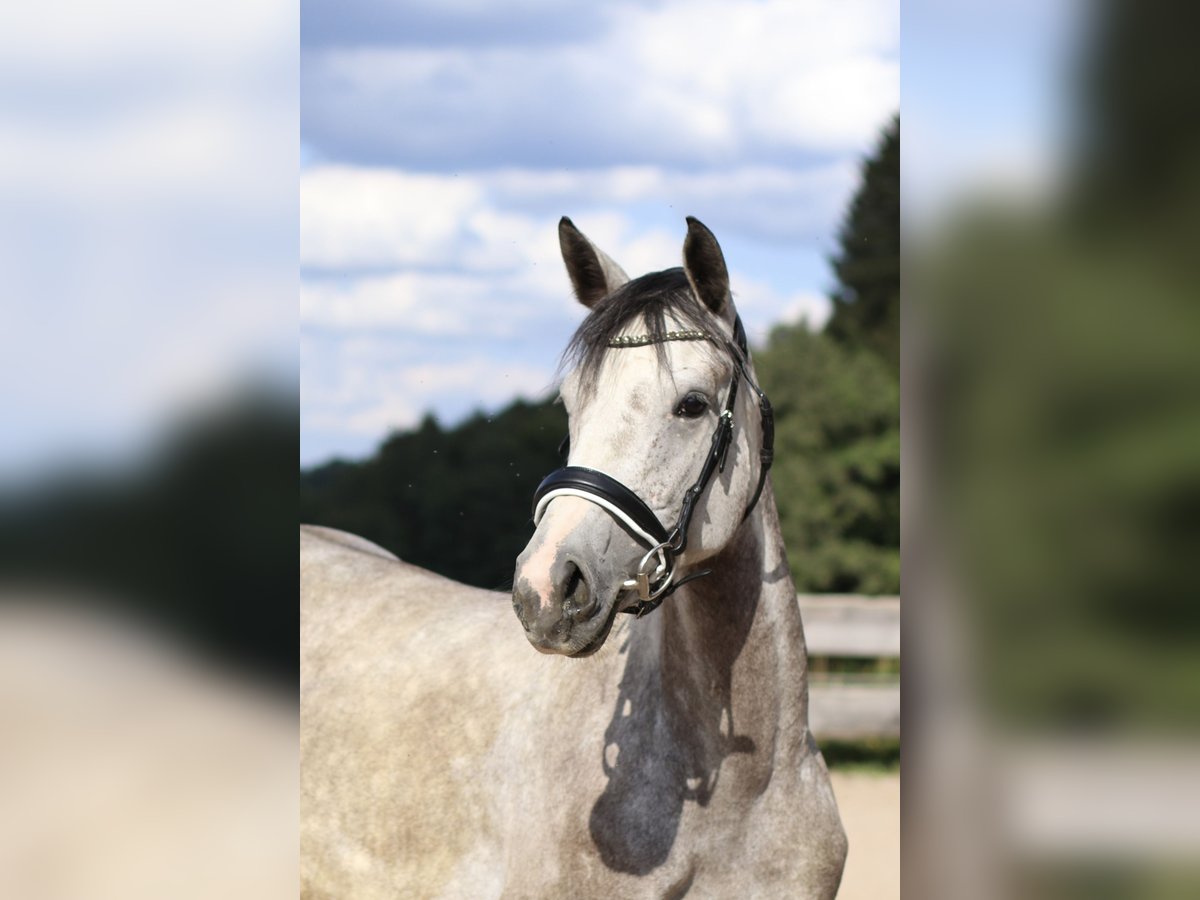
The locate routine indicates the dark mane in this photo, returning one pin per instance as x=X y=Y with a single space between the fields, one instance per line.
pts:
x=662 y=301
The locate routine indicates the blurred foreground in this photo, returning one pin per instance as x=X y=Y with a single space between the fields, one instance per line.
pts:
x=1051 y=389
x=148 y=669
x=129 y=770
x=869 y=804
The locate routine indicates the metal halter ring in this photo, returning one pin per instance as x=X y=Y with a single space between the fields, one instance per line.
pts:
x=641 y=581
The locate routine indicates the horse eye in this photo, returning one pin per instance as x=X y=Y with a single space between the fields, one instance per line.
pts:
x=692 y=406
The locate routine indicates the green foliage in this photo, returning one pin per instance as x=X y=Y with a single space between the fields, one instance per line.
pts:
x=1060 y=348
x=455 y=501
x=866 y=303
x=1068 y=476
x=837 y=469
x=1136 y=153
x=837 y=401
x=876 y=755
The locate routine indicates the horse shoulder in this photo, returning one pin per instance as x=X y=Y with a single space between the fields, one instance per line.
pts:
x=403 y=678
x=795 y=838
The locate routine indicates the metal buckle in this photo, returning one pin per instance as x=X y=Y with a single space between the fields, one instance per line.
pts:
x=642 y=578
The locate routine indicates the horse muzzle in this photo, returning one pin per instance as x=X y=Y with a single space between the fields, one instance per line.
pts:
x=568 y=579
x=562 y=619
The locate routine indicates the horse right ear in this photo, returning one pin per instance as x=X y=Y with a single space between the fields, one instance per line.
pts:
x=705 y=267
x=593 y=274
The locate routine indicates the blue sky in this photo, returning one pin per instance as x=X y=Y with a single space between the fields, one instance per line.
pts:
x=988 y=105
x=148 y=222
x=442 y=141
x=149 y=199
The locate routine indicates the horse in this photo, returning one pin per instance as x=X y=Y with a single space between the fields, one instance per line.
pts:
x=661 y=753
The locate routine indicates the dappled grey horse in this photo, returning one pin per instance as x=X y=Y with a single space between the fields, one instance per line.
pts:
x=656 y=754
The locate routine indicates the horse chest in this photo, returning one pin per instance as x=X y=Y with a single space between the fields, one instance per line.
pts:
x=645 y=818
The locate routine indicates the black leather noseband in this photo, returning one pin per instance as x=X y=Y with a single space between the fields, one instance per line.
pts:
x=605 y=487
x=626 y=506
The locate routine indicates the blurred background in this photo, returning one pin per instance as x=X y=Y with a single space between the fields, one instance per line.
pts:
x=1052 y=453
x=149 y=228
x=148 y=235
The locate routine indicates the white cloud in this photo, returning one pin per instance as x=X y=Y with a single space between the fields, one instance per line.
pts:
x=474 y=305
x=458 y=263
x=811 y=309
x=146 y=207
x=359 y=217
x=812 y=74
x=56 y=38
x=698 y=82
x=419 y=304
x=375 y=420
x=483 y=377
x=762 y=306
x=376 y=387
x=429 y=235
x=377 y=217
x=411 y=258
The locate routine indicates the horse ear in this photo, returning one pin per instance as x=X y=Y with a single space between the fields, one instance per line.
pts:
x=705 y=267
x=593 y=274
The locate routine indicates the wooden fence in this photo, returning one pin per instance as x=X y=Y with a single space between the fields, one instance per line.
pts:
x=843 y=706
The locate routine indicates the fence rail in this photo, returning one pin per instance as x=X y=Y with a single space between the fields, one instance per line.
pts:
x=841 y=626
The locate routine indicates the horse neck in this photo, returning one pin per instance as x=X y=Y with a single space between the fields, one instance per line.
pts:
x=733 y=658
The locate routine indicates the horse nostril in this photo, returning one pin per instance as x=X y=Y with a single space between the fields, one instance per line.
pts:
x=577 y=601
x=574 y=580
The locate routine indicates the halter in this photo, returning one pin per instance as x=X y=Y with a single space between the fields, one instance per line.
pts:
x=655 y=576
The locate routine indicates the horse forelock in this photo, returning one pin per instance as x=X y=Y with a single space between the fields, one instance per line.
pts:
x=656 y=303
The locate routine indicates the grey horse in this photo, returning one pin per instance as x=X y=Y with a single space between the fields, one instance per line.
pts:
x=657 y=755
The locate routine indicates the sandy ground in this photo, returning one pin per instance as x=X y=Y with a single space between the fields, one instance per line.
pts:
x=870 y=807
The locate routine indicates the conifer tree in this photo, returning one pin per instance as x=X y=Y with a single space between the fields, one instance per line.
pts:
x=866 y=303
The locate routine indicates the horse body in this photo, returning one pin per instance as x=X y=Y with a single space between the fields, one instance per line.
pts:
x=441 y=757
x=467 y=766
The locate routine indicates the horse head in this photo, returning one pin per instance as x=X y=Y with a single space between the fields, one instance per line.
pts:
x=666 y=456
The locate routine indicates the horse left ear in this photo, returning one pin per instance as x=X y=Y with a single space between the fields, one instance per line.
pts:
x=705 y=267
x=592 y=272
